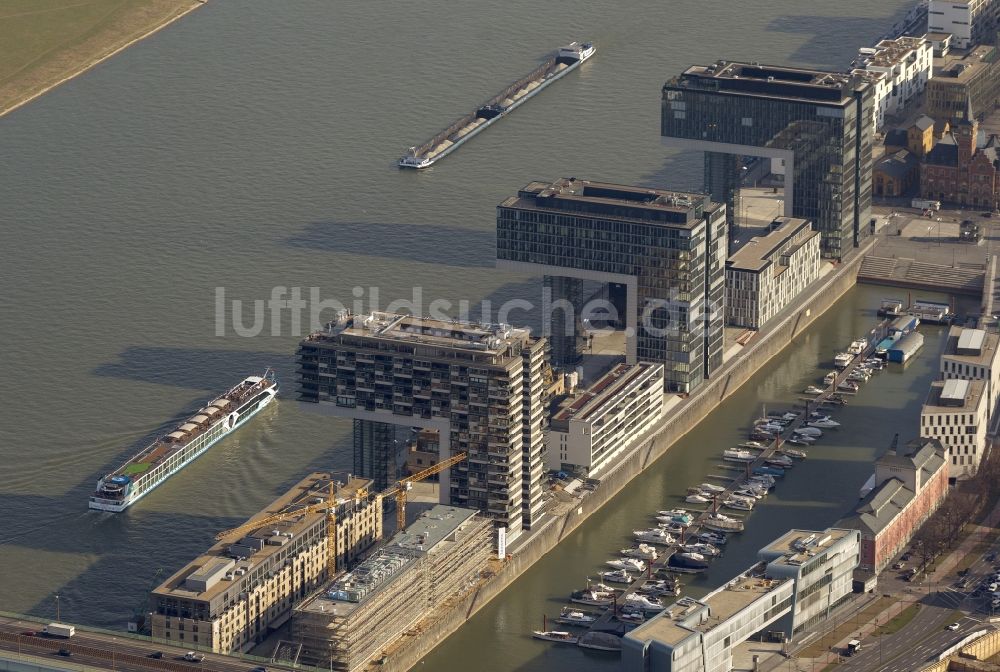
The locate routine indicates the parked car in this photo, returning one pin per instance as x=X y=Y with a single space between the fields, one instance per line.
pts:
x=29 y=633
x=259 y=668
x=953 y=626
x=65 y=652
x=193 y=657
x=156 y=654
x=987 y=215
x=899 y=565
x=904 y=557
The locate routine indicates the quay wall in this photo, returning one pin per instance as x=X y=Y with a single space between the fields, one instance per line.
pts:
x=823 y=295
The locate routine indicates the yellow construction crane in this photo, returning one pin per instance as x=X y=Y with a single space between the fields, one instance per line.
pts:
x=399 y=490
x=330 y=506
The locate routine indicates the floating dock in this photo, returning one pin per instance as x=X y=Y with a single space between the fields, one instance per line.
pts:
x=558 y=65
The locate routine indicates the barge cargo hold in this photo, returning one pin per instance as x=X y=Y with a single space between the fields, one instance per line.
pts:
x=169 y=454
x=558 y=65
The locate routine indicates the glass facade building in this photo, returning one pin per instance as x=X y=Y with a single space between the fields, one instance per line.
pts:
x=667 y=248
x=819 y=123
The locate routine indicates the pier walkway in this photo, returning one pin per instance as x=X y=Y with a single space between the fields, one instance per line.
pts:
x=966 y=279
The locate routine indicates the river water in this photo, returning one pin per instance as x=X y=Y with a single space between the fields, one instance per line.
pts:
x=252 y=146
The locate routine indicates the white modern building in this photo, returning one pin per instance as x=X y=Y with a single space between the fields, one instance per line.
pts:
x=803 y=574
x=968 y=21
x=899 y=70
x=971 y=354
x=594 y=427
x=769 y=271
x=822 y=566
x=955 y=413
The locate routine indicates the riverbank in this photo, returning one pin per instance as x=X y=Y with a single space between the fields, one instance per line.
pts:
x=48 y=42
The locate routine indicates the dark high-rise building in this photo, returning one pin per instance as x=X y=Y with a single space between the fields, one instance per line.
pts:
x=666 y=248
x=819 y=123
x=377 y=452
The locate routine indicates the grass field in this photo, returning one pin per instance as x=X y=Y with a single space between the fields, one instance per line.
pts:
x=43 y=42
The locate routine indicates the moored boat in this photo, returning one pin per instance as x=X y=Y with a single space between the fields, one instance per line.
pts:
x=555 y=636
x=616 y=576
x=719 y=522
x=574 y=617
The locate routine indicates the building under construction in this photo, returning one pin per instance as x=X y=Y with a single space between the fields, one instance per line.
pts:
x=230 y=598
x=351 y=621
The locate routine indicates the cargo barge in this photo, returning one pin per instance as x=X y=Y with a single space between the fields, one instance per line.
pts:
x=561 y=63
x=169 y=454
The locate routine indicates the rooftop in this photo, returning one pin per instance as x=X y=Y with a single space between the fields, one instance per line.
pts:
x=490 y=338
x=614 y=201
x=890 y=52
x=758 y=252
x=971 y=346
x=797 y=547
x=754 y=79
x=948 y=396
x=204 y=577
x=604 y=391
x=352 y=589
x=961 y=66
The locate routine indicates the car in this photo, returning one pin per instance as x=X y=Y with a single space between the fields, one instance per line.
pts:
x=29 y=633
x=953 y=626
x=899 y=565
x=904 y=557
x=156 y=654
x=259 y=668
x=987 y=215
x=193 y=657
x=65 y=652
x=990 y=557
x=963 y=572
x=992 y=587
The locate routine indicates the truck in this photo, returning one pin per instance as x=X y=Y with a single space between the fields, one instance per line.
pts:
x=925 y=204
x=59 y=630
x=853 y=646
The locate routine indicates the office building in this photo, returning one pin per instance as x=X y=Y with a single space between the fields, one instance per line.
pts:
x=668 y=249
x=905 y=490
x=476 y=384
x=802 y=575
x=971 y=354
x=236 y=593
x=592 y=429
x=769 y=271
x=819 y=123
x=956 y=414
x=352 y=621
x=377 y=453
x=962 y=79
x=901 y=68
x=969 y=22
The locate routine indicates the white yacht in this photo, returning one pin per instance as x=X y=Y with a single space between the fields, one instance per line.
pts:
x=654 y=535
x=628 y=563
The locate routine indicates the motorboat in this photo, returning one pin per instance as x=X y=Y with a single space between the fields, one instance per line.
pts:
x=764 y=479
x=635 y=617
x=713 y=488
x=777 y=472
x=617 y=576
x=739 y=503
x=555 y=636
x=654 y=535
x=600 y=641
x=708 y=550
x=680 y=516
x=837 y=399
x=642 y=551
x=574 y=617
x=748 y=493
x=809 y=431
x=825 y=423
x=593 y=597
x=697 y=499
x=644 y=602
x=830 y=378
x=660 y=587
x=848 y=386
x=738 y=455
x=800 y=440
x=672 y=528
x=753 y=445
x=714 y=538
x=688 y=562
x=627 y=563
x=858 y=376
x=719 y=522
x=779 y=461
x=842 y=360
x=812 y=389
x=793 y=452
x=857 y=346
x=761 y=435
